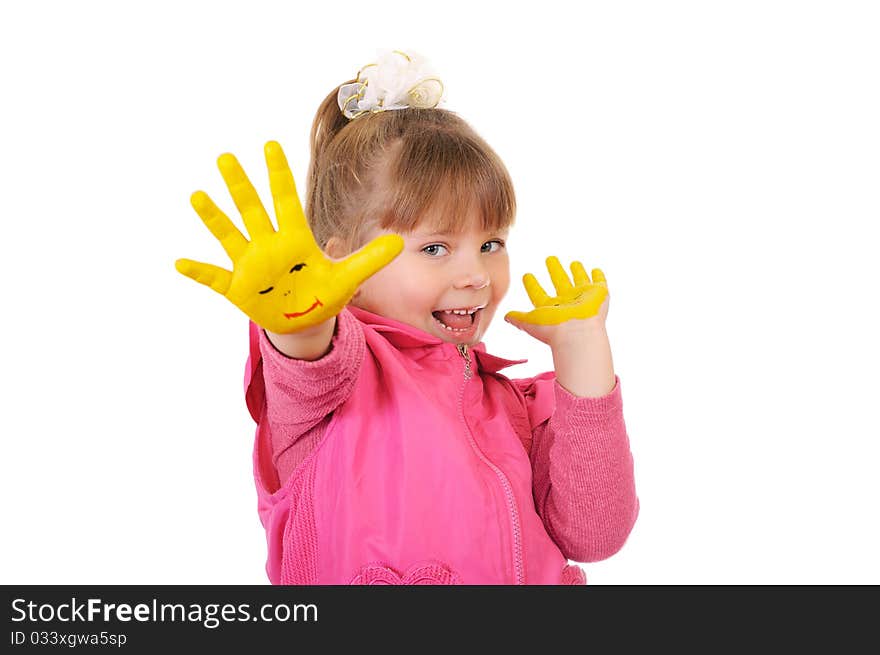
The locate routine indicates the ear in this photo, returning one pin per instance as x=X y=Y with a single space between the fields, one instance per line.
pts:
x=335 y=248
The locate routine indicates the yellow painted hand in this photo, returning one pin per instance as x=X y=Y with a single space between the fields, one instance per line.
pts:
x=583 y=299
x=280 y=279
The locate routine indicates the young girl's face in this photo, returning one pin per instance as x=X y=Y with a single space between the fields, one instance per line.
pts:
x=449 y=285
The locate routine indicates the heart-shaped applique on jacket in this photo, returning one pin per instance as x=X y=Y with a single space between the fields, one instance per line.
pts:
x=424 y=573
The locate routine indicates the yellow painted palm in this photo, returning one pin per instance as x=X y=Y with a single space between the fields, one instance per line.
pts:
x=578 y=297
x=280 y=278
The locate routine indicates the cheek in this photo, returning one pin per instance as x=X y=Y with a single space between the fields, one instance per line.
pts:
x=500 y=277
x=416 y=293
x=504 y=284
x=371 y=291
x=395 y=291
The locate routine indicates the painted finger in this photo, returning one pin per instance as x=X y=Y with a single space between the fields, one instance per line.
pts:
x=212 y=276
x=254 y=215
x=516 y=317
x=544 y=316
x=288 y=209
x=377 y=254
x=558 y=276
x=537 y=294
x=579 y=274
x=218 y=223
x=599 y=277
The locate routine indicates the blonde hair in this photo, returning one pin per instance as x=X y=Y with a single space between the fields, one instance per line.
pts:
x=391 y=168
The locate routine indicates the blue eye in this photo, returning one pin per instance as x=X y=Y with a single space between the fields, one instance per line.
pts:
x=497 y=242
x=432 y=249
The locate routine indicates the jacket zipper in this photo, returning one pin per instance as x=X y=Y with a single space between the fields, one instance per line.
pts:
x=463 y=351
x=505 y=484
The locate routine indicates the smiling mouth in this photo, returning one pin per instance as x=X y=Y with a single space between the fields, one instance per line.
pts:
x=317 y=303
x=457 y=320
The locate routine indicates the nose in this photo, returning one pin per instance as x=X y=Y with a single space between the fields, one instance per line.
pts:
x=475 y=280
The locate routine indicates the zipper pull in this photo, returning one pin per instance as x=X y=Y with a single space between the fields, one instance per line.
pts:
x=463 y=351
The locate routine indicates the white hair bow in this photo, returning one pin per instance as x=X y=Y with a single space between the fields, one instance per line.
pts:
x=396 y=80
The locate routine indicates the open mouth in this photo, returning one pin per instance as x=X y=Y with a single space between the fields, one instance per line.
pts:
x=317 y=303
x=458 y=320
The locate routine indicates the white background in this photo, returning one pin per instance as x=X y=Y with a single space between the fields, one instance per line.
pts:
x=718 y=160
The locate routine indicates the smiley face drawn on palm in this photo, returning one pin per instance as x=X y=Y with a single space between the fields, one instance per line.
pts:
x=275 y=279
x=280 y=279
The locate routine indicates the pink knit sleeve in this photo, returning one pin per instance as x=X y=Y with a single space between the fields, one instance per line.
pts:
x=302 y=395
x=582 y=468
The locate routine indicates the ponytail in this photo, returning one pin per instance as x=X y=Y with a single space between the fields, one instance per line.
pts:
x=329 y=120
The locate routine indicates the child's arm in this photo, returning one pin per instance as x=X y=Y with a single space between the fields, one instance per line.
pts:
x=583 y=361
x=581 y=461
x=308 y=344
x=301 y=395
x=287 y=286
x=582 y=468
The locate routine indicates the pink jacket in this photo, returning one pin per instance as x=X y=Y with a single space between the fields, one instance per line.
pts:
x=423 y=464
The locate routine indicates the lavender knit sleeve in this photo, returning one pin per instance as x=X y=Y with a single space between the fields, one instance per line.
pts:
x=582 y=468
x=302 y=395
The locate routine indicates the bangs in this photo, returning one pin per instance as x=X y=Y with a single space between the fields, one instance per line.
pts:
x=441 y=179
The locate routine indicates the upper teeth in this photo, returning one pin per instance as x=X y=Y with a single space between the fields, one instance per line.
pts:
x=462 y=311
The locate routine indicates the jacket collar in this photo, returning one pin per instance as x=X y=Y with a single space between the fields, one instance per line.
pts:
x=405 y=336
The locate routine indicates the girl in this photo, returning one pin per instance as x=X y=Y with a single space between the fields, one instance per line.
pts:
x=390 y=449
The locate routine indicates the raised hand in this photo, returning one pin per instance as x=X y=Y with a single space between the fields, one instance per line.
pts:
x=580 y=299
x=280 y=279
